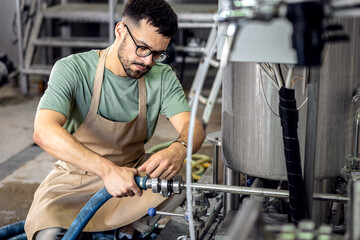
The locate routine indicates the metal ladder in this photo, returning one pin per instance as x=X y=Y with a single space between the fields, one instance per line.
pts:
x=202 y=70
x=71 y=12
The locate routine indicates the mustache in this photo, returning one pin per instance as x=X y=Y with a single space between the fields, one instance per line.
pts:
x=143 y=65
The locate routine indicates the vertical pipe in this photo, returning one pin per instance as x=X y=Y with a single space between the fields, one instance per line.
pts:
x=215 y=139
x=316 y=214
x=311 y=135
x=24 y=85
x=355 y=210
x=356 y=147
x=39 y=5
x=216 y=163
x=111 y=21
x=230 y=200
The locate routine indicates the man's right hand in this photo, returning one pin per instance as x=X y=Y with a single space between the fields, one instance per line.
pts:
x=120 y=181
x=50 y=135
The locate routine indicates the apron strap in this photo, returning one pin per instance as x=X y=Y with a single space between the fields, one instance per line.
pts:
x=99 y=76
x=142 y=99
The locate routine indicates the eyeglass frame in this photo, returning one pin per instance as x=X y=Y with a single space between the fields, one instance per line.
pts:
x=150 y=51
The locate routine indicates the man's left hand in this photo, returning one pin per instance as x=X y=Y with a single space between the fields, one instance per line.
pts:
x=166 y=163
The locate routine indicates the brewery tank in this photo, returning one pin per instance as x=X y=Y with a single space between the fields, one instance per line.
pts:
x=251 y=132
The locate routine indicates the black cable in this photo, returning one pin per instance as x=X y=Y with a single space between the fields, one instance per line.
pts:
x=281 y=75
x=289 y=123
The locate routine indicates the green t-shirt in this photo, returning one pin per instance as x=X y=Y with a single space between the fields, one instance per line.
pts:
x=70 y=89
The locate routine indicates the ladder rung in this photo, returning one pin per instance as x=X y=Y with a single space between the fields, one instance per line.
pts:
x=89 y=12
x=195 y=15
x=73 y=42
x=37 y=70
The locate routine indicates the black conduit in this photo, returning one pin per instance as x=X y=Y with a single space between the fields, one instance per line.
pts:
x=289 y=123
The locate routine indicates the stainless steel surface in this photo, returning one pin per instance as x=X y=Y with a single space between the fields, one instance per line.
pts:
x=230 y=200
x=262 y=191
x=163 y=186
x=168 y=187
x=215 y=139
x=311 y=135
x=245 y=221
x=252 y=141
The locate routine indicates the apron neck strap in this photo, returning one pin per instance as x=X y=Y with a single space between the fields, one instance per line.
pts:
x=99 y=76
x=142 y=98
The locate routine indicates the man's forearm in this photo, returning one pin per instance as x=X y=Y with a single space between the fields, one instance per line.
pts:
x=199 y=135
x=56 y=141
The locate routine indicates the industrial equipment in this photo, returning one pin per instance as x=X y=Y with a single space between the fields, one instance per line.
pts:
x=301 y=162
x=322 y=78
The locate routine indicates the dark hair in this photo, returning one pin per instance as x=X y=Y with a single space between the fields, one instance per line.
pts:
x=157 y=12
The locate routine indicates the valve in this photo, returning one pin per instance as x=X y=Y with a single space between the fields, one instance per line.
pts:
x=152 y=212
x=162 y=186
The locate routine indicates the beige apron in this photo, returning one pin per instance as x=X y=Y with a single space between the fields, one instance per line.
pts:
x=67 y=188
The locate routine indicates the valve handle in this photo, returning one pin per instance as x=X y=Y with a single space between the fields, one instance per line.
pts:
x=152 y=212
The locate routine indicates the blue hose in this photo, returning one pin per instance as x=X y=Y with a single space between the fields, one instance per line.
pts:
x=88 y=211
x=21 y=236
x=12 y=230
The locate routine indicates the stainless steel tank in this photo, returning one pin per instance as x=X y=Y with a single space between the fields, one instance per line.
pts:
x=251 y=133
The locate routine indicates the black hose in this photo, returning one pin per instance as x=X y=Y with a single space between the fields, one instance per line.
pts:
x=289 y=123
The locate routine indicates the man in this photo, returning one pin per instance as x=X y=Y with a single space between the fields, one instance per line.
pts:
x=98 y=111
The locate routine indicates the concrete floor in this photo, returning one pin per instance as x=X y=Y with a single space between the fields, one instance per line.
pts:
x=23 y=166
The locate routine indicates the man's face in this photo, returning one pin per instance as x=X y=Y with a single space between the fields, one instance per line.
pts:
x=145 y=35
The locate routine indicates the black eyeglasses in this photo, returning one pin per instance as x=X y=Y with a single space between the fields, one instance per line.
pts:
x=143 y=51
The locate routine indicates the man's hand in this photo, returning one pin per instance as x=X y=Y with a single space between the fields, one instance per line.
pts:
x=165 y=164
x=120 y=181
x=53 y=138
x=168 y=162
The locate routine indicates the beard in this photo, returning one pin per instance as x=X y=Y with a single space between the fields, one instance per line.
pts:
x=126 y=64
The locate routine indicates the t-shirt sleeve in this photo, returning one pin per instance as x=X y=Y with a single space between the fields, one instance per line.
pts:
x=173 y=101
x=61 y=88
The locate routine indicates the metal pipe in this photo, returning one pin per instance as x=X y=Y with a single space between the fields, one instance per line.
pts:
x=170 y=214
x=24 y=85
x=215 y=139
x=111 y=21
x=356 y=147
x=230 y=201
x=244 y=221
x=355 y=210
x=211 y=218
x=261 y=191
x=216 y=164
x=311 y=136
